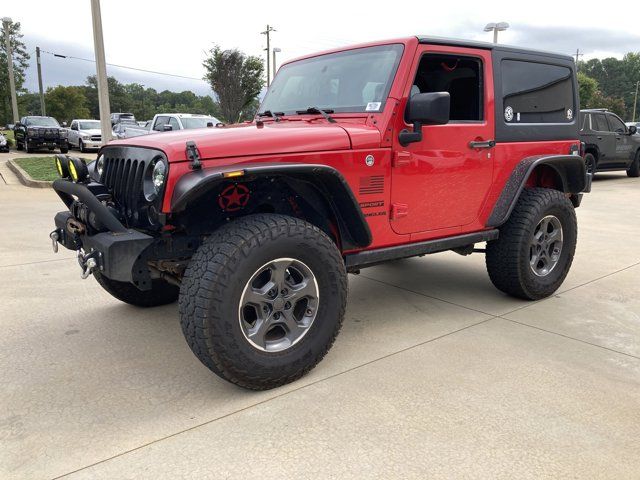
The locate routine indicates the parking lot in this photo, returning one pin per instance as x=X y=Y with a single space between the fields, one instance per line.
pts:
x=436 y=374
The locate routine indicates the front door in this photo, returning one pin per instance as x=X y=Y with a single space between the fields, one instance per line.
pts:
x=606 y=139
x=623 y=141
x=442 y=181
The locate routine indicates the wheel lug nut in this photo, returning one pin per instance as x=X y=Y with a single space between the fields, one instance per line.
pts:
x=283 y=291
x=276 y=315
x=265 y=309
x=309 y=311
x=287 y=305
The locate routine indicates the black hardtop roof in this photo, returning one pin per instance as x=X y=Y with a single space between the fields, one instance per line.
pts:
x=458 y=42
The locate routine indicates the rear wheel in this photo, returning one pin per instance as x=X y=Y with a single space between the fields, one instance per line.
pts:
x=263 y=300
x=590 y=163
x=161 y=292
x=533 y=254
x=634 y=168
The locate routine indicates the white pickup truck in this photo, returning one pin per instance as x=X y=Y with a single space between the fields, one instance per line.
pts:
x=165 y=122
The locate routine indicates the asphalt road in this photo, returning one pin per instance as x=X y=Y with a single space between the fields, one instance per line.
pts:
x=435 y=374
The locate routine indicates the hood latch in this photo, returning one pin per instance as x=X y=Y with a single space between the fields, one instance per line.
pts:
x=193 y=155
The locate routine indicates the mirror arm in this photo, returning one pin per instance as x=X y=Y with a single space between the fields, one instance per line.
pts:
x=406 y=137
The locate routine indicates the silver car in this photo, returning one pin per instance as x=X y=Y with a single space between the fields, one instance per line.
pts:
x=85 y=135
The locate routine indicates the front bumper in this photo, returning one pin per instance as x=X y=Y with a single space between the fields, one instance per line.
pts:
x=92 y=143
x=116 y=252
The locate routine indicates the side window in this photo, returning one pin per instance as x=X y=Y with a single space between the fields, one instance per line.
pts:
x=160 y=123
x=537 y=92
x=616 y=125
x=585 y=121
x=174 y=123
x=460 y=76
x=600 y=123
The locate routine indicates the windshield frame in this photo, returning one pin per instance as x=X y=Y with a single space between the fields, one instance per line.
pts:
x=352 y=109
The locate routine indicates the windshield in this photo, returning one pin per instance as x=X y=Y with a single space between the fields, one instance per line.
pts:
x=198 y=122
x=93 y=125
x=351 y=81
x=41 y=122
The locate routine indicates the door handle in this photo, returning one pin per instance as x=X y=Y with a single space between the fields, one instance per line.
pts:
x=599 y=138
x=483 y=144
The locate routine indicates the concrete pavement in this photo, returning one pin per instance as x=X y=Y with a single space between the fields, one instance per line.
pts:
x=435 y=374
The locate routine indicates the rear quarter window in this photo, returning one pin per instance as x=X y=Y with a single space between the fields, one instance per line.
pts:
x=535 y=92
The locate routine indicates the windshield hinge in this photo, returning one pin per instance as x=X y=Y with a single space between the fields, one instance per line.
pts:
x=193 y=155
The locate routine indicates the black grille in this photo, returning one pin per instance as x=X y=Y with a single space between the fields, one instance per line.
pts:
x=123 y=177
x=95 y=138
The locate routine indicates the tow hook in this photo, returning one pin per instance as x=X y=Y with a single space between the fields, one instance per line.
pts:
x=88 y=262
x=54 y=236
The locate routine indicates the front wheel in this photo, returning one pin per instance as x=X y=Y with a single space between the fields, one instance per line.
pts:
x=64 y=148
x=81 y=146
x=634 y=168
x=263 y=299
x=533 y=254
x=161 y=292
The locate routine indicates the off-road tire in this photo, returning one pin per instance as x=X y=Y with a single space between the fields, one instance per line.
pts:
x=590 y=163
x=213 y=285
x=161 y=292
x=634 y=168
x=64 y=149
x=30 y=149
x=507 y=258
x=19 y=146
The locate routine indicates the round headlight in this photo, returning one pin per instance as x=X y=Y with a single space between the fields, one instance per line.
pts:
x=158 y=176
x=100 y=165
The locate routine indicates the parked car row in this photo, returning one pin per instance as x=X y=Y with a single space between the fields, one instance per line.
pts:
x=39 y=132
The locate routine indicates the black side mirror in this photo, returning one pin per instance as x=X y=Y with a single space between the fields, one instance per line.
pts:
x=167 y=128
x=209 y=124
x=425 y=109
x=633 y=130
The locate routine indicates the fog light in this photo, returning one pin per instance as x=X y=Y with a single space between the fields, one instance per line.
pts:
x=62 y=165
x=78 y=169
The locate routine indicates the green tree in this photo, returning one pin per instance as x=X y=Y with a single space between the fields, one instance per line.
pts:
x=236 y=80
x=66 y=103
x=588 y=88
x=20 y=64
x=29 y=104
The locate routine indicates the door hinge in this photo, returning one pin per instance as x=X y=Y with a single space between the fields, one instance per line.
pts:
x=401 y=159
x=193 y=155
x=399 y=210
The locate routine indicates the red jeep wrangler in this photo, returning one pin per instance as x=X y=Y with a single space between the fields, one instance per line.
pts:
x=358 y=156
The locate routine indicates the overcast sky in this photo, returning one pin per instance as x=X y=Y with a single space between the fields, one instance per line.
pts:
x=172 y=36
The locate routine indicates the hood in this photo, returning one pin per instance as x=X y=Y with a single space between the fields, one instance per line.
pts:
x=271 y=138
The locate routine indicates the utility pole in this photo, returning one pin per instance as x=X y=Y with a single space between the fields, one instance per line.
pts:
x=12 y=82
x=635 y=102
x=101 y=73
x=578 y=55
x=42 y=109
x=267 y=32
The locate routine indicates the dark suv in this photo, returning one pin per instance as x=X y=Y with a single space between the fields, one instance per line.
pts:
x=609 y=143
x=33 y=133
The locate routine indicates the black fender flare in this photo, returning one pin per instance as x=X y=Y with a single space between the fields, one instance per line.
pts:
x=570 y=169
x=330 y=184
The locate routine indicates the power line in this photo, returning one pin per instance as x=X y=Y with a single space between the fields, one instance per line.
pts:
x=58 y=55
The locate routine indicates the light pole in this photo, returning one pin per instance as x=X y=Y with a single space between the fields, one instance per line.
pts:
x=267 y=32
x=495 y=28
x=101 y=73
x=275 y=50
x=6 y=21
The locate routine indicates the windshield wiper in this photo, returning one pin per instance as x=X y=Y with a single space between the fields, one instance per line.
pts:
x=269 y=113
x=324 y=112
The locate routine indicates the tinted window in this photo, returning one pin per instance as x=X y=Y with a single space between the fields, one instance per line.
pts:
x=600 y=123
x=198 y=122
x=41 y=122
x=585 y=123
x=160 y=122
x=174 y=123
x=536 y=92
x=355 y=80
x=460 y=76
x=616 y=125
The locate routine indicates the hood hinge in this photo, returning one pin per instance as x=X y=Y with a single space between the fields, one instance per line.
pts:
x=193 y=155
